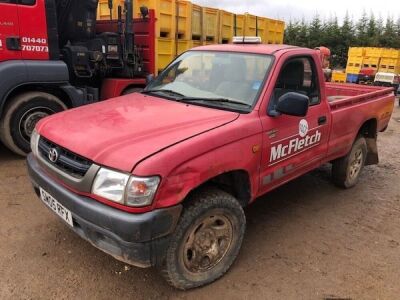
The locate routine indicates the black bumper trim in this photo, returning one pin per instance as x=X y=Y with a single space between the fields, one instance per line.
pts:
x=137 y=239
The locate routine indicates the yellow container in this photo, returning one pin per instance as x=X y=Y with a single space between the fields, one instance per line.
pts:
x=165 y=13
x=239 y=25
x=274 y=31
x=356 y=51
x=226 y=23
x=250 y=25
x=211 y=24
x=391 y=53
x=371 y=62
x=354 y=65
x=339 y=77
x=196 y=43
x=183 y=46
x=373 y=52
x=184 y=16
x=197 y=22
x=165 y=52
x=262 y=28
x=390 y=65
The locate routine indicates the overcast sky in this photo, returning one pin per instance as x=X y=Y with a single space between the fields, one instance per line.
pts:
x=296 y=10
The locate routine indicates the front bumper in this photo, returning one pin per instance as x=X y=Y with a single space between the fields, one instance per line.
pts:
x=136 y=239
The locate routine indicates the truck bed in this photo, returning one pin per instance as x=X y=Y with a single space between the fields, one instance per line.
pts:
x=351 y=106
x=340 y=95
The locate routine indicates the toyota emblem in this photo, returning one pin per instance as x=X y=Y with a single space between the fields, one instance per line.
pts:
x=53 y=155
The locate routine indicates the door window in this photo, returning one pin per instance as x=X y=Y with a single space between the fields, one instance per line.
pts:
x=298 y=75
x=27 y=2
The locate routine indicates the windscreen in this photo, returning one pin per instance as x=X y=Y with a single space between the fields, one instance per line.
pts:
x=215 y=75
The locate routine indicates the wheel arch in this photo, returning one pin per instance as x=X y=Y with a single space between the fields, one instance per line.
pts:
x=235 y=182
x=369 y=130
x=52 y=89
x=18 y=75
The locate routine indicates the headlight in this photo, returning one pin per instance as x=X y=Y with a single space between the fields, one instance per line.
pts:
x=35 y=142
x=125 y=189
x=110 y=185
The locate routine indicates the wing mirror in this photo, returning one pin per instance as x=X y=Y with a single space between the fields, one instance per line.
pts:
x=293 y=104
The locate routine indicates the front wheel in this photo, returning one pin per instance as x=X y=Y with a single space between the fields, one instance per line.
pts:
x=21 y=116
x=346 y=171
x=207 y=240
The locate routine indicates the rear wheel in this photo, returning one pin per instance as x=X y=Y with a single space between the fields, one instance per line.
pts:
x=346 y=171
x=21 y=116
x=207 y=240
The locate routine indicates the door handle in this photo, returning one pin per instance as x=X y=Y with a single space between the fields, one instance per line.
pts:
x=13 y=43
x=322 y=120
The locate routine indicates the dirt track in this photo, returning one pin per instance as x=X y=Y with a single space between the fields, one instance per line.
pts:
x=307 y=240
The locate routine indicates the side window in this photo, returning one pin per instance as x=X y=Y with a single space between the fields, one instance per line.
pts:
x=27 y=2
x=23 y=2
x=297 y=75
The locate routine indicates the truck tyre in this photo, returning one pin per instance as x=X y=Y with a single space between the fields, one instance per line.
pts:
x=346 y=170
x=206 y=241
x=21 y=116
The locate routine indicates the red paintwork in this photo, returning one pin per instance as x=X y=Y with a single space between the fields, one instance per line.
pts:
x=147 y=122
x=368 y=71
x=187 y=145
x=33 y=25
x=29 y=24
x=8 y=28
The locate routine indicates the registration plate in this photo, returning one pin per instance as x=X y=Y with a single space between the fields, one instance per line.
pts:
x=55 y=206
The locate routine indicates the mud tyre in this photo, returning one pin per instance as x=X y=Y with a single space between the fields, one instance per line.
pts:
x=206 y=241
x=346 y=171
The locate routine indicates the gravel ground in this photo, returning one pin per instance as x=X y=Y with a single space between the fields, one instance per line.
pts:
x=306 y=240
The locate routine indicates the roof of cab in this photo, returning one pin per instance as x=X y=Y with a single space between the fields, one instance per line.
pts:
x=248 y=48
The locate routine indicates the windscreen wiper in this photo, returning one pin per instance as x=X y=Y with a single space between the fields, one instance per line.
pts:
x=219 y=100
x=169 y=92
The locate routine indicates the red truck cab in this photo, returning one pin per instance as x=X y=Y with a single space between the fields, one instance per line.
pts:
x=160 y=178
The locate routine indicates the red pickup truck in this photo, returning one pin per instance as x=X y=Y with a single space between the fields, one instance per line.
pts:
x=160 y=178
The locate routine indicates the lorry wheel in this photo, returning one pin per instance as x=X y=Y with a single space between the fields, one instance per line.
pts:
x=21 y=116
x=346 y=170
x=206 y=241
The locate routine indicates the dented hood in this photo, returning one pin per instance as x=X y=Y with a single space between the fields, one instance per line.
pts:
x=120 y=133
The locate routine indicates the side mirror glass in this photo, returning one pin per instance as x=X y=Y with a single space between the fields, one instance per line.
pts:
x=293 y=104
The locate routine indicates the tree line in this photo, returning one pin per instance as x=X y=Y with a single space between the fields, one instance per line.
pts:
x=368 y=31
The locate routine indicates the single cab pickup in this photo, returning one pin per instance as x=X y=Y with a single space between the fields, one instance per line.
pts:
x=160 y=178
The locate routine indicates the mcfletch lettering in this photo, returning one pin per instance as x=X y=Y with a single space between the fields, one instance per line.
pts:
x=295 y=145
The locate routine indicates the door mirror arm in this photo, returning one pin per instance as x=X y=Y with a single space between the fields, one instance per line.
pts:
x=274 y=113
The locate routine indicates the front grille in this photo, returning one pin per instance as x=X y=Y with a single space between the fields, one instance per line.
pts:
x=67 y=161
